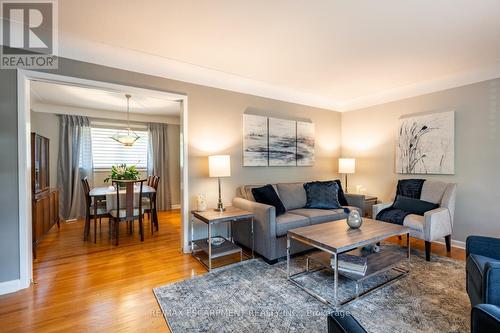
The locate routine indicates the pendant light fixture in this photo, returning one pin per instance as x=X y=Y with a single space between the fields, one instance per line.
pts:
x=127 y=137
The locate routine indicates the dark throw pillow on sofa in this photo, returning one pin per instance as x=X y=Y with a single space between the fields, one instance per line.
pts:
x=322 y=195
x=267 y=195
x=413 y=206
x=342 y=198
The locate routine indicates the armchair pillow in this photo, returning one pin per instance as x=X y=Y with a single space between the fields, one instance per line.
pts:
x=322 y=195
x=267 y=195
x=413 y=206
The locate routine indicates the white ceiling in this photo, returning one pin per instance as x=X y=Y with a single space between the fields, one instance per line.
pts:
x=334 y=53
x=95 y=99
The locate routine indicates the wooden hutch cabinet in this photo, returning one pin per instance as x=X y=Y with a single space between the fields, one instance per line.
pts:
x=45 y=201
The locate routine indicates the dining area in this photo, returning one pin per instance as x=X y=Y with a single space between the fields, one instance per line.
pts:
x=125 y=201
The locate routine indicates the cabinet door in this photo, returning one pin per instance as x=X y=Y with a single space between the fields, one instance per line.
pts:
x=54 y=208
x=38 y=217
x=46 y=214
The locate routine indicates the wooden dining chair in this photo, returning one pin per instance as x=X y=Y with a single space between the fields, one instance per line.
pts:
x=127 y=211
x=149 y=203
x=90 y=213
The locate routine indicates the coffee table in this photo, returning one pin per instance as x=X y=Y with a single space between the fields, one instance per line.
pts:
x=334 y=238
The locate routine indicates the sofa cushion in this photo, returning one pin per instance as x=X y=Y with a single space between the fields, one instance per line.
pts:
x=289 y=221
x=247 y=191
x=322 y=195
x=475 y=269
x=414 y=222
x=267 y=195
x=293 y=195
x=320 y=215
x=341 y=195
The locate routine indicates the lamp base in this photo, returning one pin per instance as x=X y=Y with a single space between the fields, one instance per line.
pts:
x=220 y=209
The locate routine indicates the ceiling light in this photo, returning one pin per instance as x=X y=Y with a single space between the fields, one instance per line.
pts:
x=127 y=137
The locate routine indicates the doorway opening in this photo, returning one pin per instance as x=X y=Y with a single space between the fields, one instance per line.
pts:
x=43 y=100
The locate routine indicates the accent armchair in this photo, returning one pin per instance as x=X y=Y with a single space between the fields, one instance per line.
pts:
x=483 y=270
x=434 y=224
x=485 y=318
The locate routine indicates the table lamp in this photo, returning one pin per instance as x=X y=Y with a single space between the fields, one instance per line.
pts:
x=347 y=166
x=219 y=166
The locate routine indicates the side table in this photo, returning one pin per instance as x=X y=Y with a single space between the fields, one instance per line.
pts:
x=369 y=202
x=211 y=217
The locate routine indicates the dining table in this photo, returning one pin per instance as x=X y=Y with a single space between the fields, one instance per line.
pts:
x=99 y=193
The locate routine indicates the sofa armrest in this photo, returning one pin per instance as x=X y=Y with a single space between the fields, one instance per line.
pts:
x=437 y=224
x=264 y=227
x=483 y=246
x=491 y=283
x=356 y=200
x=378 y=207
x=485 y=318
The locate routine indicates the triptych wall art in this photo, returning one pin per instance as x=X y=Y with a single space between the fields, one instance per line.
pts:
x=277 y=142
x=426 y=144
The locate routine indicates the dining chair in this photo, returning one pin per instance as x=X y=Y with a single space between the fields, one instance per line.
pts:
x=90 y=213
x=128 y=211
x=149 y=203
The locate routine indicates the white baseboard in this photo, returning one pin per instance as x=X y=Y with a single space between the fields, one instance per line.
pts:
x=187 y=249
x=8 y=287
x=454 y=243
x=178 y=206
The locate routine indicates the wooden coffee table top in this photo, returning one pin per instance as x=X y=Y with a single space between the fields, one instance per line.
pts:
x=230 y=214
x=337 y=237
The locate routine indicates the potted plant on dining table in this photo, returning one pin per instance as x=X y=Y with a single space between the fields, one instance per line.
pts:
x=123 y=172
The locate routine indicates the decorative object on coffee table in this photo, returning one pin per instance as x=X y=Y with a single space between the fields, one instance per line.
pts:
x=335 y=238
x=354 y=220
x=219 y=166
x=347 y=166
x=222 y=246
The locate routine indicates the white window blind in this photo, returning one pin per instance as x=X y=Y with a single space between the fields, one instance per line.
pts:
x=107 y=152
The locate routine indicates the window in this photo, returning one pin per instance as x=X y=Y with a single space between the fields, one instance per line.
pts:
x=107 y=152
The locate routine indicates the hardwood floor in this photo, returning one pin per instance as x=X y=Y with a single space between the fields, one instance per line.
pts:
x=87 y=287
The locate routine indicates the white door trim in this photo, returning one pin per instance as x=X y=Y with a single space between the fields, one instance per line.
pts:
x=24 y=157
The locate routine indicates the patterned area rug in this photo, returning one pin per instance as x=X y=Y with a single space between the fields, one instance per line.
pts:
x=256 y=297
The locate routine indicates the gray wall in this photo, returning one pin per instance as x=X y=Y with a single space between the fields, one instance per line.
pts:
x=9 y=227
x=370 y=136
x=215 y=126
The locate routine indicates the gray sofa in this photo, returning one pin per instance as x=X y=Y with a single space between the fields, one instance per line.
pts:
x=270 y=231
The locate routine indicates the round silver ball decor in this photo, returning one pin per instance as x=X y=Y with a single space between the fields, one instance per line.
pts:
x=354 y=220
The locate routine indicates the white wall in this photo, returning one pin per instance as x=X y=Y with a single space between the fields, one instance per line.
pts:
x=369 y=135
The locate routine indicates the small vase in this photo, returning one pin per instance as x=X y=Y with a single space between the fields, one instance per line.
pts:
x=354 y=220
x=201 y=203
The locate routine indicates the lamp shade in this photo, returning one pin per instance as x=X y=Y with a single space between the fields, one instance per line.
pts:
x=219 y=166
x=347 y=165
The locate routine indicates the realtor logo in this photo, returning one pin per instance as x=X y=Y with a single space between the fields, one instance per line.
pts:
x=29 y=38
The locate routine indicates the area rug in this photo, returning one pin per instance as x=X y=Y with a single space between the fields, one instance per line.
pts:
x=255 y=297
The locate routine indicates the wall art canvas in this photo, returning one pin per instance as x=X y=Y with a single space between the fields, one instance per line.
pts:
x=282 y=142
x=426 y=144
x=305 y=144
x=255 y=145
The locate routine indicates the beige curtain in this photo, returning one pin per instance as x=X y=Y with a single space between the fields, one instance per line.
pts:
x=158 y=163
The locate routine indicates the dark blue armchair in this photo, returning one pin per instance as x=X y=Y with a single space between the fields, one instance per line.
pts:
x=343 y=322
x=483 y=270
x=485 y=318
